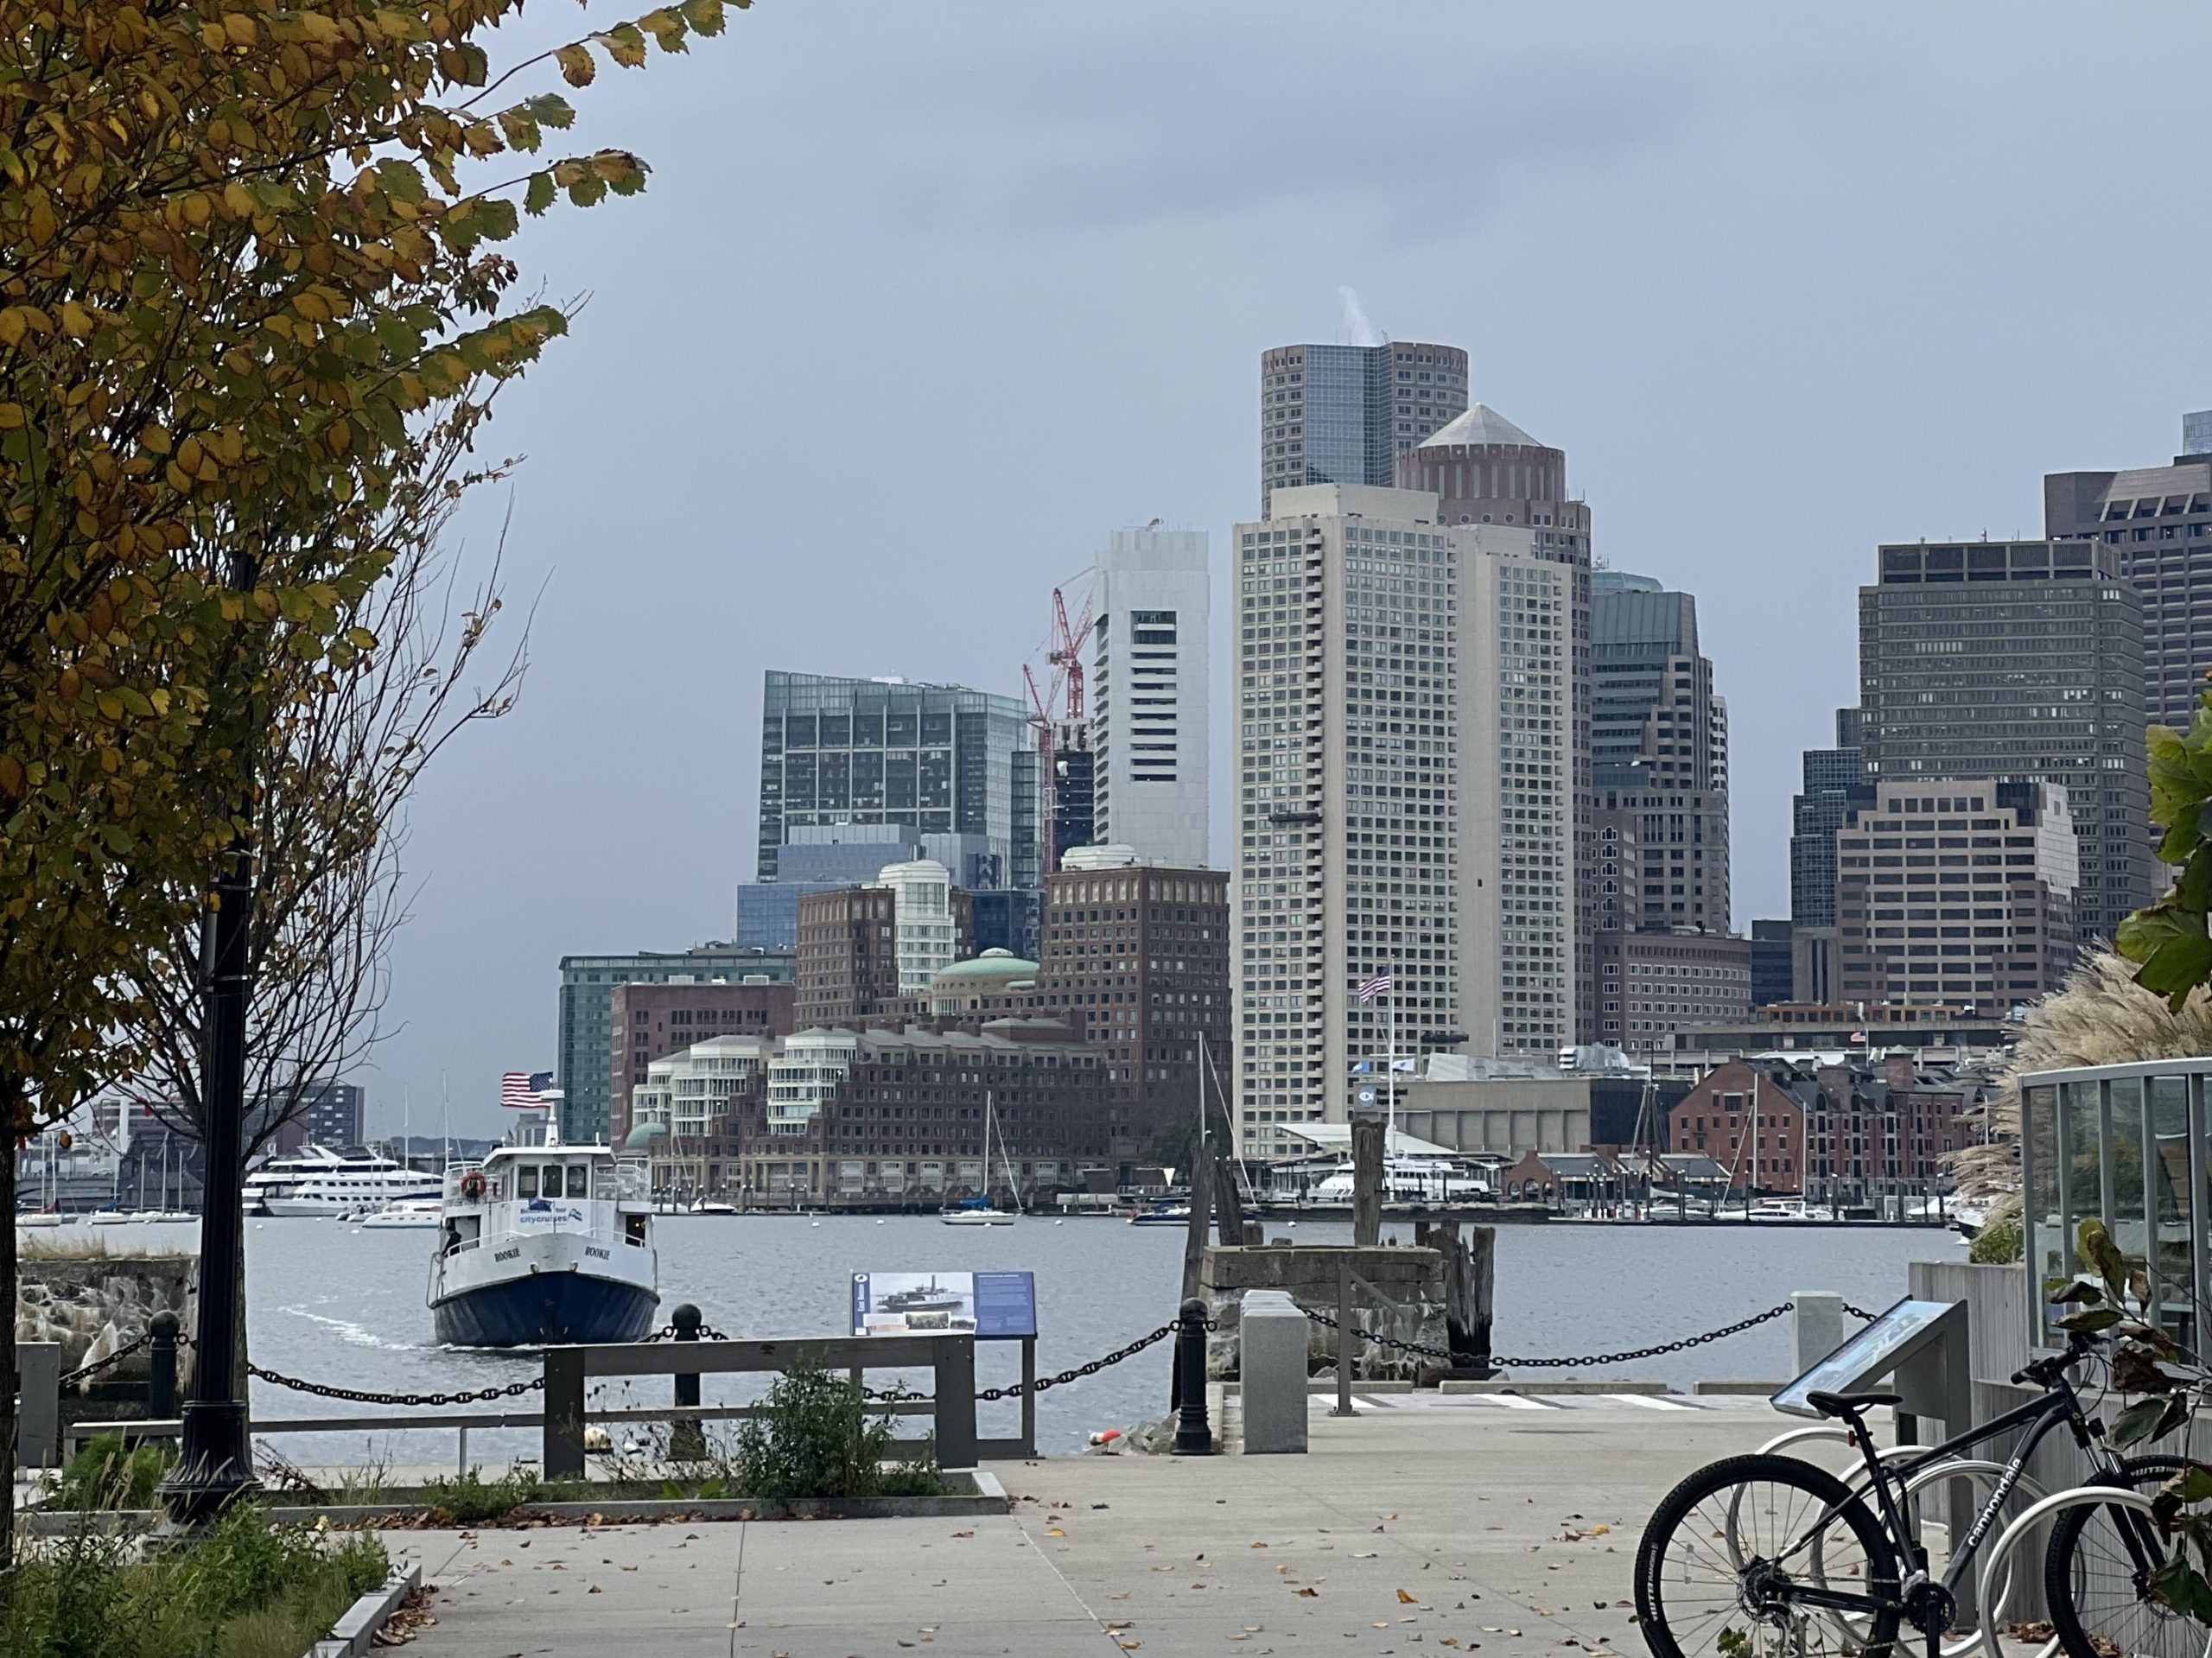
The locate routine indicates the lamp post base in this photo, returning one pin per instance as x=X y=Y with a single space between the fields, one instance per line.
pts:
x=215 y=1468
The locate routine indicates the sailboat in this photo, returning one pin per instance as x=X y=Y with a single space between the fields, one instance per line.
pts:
x=981 y=1211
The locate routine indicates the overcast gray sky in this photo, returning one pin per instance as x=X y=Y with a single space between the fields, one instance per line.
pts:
x=924 y=299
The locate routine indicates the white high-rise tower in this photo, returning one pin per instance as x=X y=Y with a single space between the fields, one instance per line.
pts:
x=1405 y=797
x=1149 y=686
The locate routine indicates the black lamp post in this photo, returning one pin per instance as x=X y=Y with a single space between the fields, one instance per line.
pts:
x=214 y=1465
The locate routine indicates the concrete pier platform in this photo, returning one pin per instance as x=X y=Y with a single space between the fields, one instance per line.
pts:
x=1427 y=1524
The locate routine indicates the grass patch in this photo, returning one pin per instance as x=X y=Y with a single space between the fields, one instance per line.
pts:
x=245 y=1589
x=105 y=1473
x=469 y=1499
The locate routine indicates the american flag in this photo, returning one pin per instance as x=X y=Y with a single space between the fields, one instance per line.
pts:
x=1374 y=986
x=519 y=1088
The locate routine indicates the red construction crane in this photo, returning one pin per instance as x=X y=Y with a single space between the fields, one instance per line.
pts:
x=1058 y=705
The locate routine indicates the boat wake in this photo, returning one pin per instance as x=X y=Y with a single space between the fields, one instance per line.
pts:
x=353 y=1334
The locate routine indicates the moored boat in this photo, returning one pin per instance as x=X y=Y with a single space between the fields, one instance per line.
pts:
x=412 y=1214
x=540 y=1245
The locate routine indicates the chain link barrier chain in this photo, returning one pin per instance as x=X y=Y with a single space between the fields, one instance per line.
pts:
x=361 y=1396
x=86 y=1372
x=1092 y=1368
x=1579 y=1360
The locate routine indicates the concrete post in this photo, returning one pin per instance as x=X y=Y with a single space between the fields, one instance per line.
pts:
x=1271 y=1345
x=38 y=1409
x=1816 y=1326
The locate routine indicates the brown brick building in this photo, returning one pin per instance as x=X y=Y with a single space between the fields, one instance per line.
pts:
x=880 y=1118
x=848 y=962
x=1835 y=1133
x=1134 y=958
x=651 y=1021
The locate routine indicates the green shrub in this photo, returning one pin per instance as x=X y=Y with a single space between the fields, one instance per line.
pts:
x=243 y=1590
x=1997 y=1244
x=106 y=1474
x=816 y=1437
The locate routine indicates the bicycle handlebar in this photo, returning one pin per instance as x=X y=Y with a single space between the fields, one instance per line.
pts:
x=2047 y=1373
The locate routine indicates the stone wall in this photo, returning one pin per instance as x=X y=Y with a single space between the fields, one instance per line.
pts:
x=1412 y=1279
x=78 y=1301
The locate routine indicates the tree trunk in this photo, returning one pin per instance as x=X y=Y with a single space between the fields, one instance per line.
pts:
x=1366 y=1182
x=1194 y=1238
x=7 y=1268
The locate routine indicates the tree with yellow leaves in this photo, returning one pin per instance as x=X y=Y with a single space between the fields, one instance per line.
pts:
x=251 y=293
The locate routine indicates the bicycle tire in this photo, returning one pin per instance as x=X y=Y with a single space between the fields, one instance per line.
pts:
x=2066 y=1568
x=1667 y=1563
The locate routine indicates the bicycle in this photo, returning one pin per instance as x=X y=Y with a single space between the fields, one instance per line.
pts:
x=1806 y=1569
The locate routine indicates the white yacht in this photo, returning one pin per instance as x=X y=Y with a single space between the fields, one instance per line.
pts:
x=315 y=1180
x=1410 y=1178
x=543 y=1244
x=409 y=1214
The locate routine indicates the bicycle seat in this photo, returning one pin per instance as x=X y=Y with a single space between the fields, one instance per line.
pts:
x=1849 y=1404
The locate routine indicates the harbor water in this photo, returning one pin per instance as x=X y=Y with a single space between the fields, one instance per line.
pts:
x=332 y=1303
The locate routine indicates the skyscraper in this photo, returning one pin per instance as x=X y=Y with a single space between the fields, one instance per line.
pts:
x=1988 y=933
x=1484 y=469
x=1150 y=689
x=1343 y=414
x=941 y=758
x=1404 y=796
x=2158 y=522
x=1832 y=779
x=2015 y=662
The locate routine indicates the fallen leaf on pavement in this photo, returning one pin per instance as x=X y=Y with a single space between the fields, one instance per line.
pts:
x=1404 y=1599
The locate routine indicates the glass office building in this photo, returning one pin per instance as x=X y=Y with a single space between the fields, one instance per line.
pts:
x=2126 y=1144
x=941 y=758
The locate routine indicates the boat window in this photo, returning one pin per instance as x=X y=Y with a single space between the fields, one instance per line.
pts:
x=579 y=1180
x=526 y=1180
x=551 y=1179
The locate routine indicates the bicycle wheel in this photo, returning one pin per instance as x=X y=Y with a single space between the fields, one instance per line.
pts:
x=1726 y=1547
x=2093 y=1579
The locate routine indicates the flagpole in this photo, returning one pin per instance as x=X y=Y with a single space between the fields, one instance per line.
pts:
x=1390 y=1120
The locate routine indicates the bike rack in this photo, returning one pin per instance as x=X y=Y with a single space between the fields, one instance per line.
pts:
x=2033 y=1515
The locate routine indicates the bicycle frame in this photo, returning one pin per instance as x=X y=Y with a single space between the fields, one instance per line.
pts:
x=2039 y=1416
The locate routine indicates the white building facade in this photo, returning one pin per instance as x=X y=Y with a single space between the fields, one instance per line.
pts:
x=925 y=940
x=1405 y=799
x=1149 y=693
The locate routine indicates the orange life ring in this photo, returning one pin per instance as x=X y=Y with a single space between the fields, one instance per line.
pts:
x=473 y=1186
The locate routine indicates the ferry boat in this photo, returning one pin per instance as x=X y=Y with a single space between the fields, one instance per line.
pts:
x=316 y=1180
x=544 y=1244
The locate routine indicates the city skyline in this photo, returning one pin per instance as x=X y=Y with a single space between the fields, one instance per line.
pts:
x=1712 y=189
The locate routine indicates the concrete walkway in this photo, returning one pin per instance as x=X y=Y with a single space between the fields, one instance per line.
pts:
x=1506 y=1530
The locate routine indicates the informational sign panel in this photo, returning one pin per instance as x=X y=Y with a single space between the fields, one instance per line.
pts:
x=991 y=1306
x=1873 y=1353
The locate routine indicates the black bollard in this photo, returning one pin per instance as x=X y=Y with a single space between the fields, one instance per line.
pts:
x=687 y=1439
x=160 y=1387
x=1193 y=1434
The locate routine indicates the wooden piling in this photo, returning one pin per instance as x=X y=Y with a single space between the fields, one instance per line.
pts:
x=1366 y=1181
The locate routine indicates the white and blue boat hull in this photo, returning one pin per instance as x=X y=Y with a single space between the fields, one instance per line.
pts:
x=545 y=1309
x=536 y=1274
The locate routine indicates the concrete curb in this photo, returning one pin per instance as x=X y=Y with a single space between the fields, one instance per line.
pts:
x=1761 y=1389
x=354 y=1633
x=1563 y=1385
x=983 y=1496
